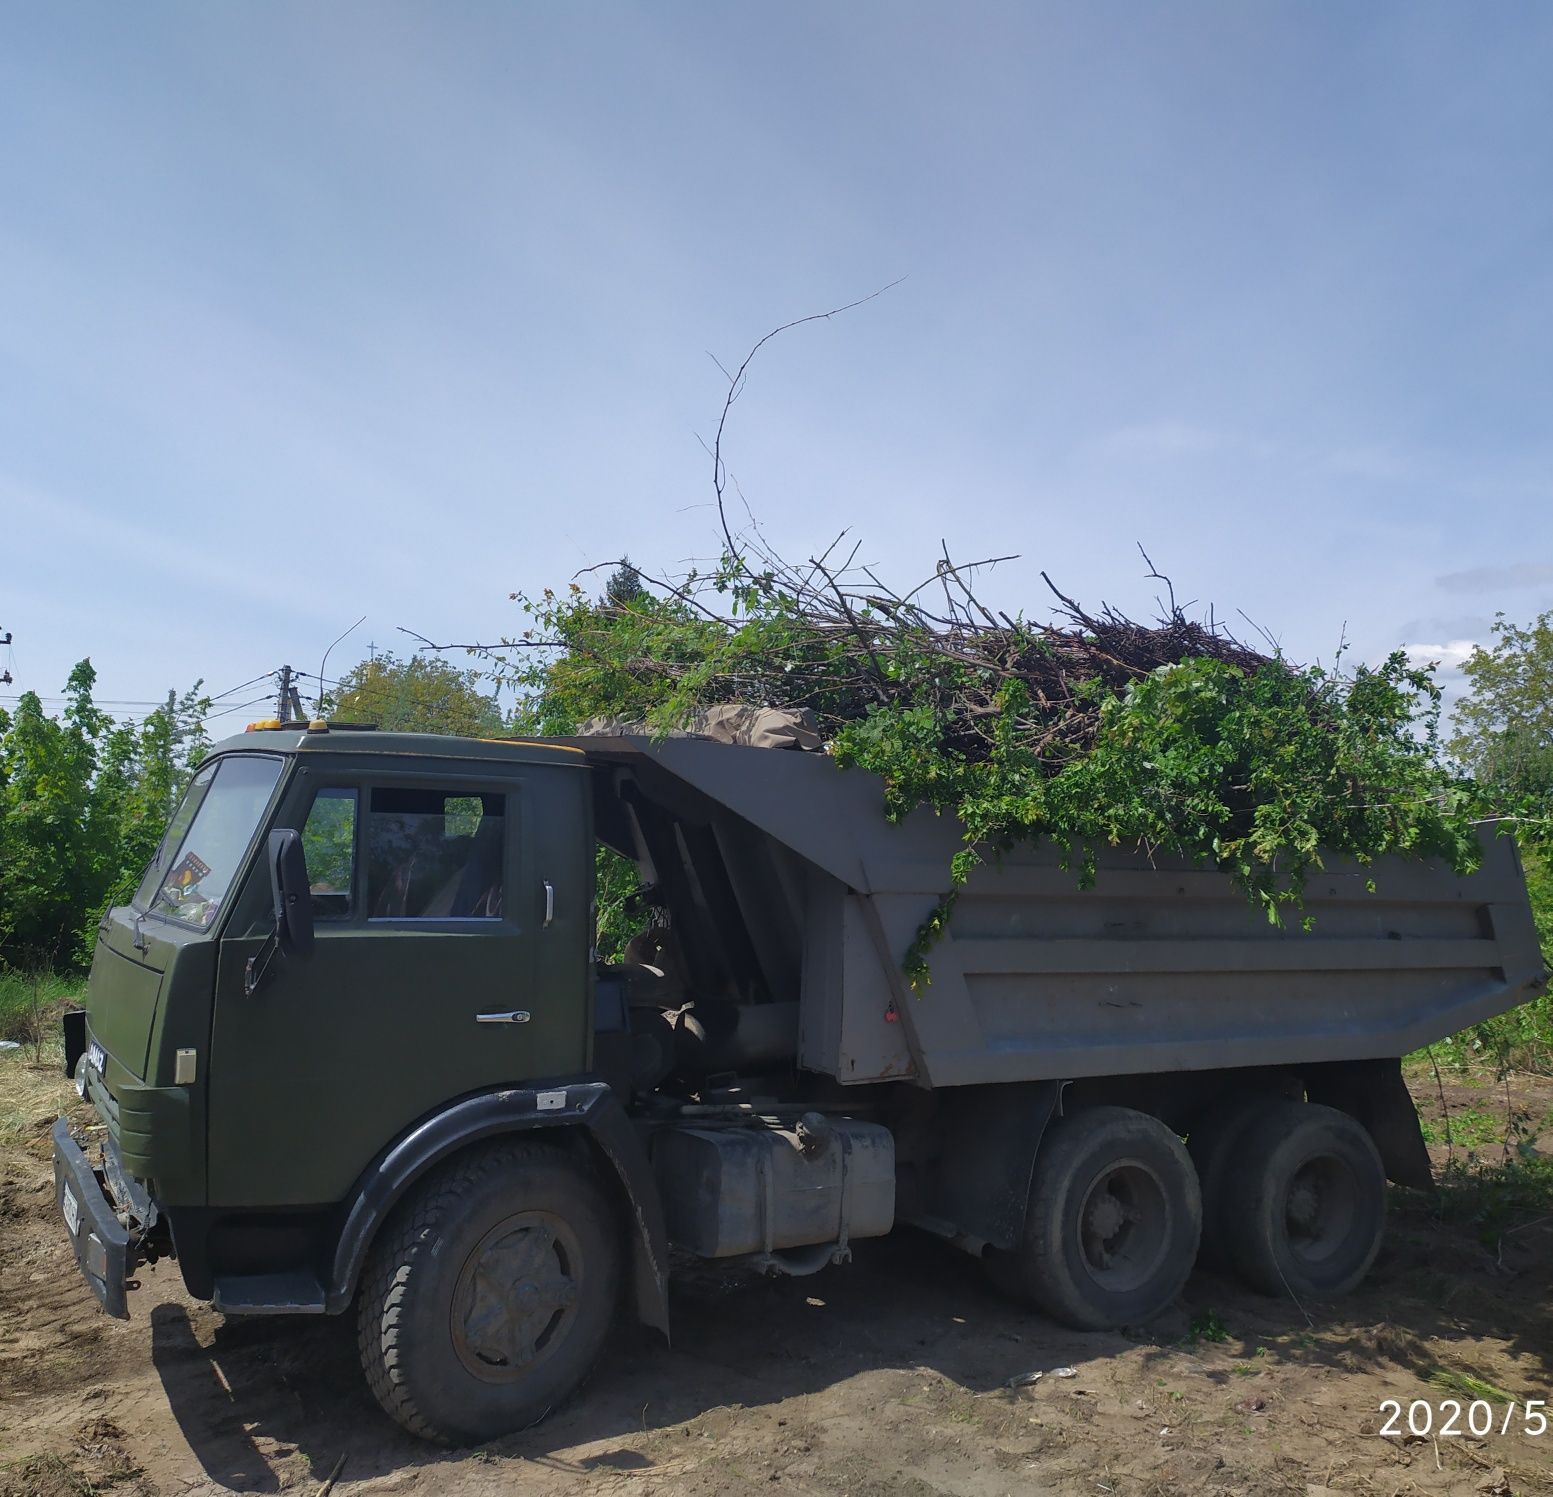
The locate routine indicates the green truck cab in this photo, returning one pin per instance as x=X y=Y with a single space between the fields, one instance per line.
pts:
x=352 y=1051
x=263 y=1109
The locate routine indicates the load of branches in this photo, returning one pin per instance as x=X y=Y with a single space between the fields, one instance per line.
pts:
x=1090 y=728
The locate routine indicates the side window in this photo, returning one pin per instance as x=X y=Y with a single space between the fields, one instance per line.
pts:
x=434 y=854
x=329 y=840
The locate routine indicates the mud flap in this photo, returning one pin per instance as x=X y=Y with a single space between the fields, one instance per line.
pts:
x=988 y=1137
x=1373 y=1093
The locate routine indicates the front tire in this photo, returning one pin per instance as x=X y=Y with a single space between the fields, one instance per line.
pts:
x=489 y=1293
x=1112 y=1225
x=1305 y=1204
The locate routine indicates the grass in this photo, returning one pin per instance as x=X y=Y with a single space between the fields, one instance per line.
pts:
x=31 y=1002
x=33 y=1089
x=1519 y=1040
x=1468 y=1386
x=1471 y=1128
x=32 y=1093
x=1495 y=1200
x=45 y=1473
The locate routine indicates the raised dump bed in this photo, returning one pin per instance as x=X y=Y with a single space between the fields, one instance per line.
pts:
x=788 y=882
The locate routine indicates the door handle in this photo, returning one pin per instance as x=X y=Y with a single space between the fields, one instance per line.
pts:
x=549 y=901
x=516 y=1016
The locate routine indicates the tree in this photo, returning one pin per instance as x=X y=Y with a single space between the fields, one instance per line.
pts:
x=1504 y=737
x=1505 y=722
x=83 y=802
x=420 y=695
x=625 y=584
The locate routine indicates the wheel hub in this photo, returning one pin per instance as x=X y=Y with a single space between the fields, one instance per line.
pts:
x=1320 y=1207
x=1106 y=1217
x=1121 y=1225
x=1304 y=1206
x=515 y=1296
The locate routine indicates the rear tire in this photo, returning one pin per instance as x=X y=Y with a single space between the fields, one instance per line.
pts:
x=1305 y=1202
x=1213 y=1140
x=489 y=1293
x=1112 y=1225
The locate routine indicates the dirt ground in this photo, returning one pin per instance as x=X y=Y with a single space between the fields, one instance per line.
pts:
x=886 y=1376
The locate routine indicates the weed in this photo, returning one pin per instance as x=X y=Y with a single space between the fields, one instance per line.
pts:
x=1494 y=1199
x=1471 y=1127
x=1206 y=1326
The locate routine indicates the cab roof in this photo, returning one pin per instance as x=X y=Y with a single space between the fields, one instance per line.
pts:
x=300 y=739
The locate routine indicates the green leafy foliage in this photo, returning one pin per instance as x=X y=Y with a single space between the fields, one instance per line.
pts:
x=1504 y=738
x=423 y=694
x=1105 y=733
x=83 y=801
x=1504 y=723
x=1207 y=1325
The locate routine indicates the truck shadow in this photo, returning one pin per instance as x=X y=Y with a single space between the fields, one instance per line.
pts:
x=252 y=1395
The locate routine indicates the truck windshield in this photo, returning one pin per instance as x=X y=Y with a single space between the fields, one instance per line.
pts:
x=194 y=867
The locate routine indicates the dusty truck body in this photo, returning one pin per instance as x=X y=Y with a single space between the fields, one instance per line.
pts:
x=354 y=1052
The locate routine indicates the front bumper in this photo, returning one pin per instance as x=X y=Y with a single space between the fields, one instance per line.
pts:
x=99 y=1239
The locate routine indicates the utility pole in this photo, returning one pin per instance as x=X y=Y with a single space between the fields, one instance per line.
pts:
x=5 y=675
x=288 y=700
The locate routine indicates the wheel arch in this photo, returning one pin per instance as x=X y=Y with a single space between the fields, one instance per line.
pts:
x=587 y=1111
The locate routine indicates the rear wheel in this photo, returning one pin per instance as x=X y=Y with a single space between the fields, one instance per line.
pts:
x=1111 y=1230
x=488 y=1296
x=1211 y=1143
x=1305 y=1201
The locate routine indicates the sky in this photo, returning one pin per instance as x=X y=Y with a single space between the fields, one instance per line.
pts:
x=315 y=312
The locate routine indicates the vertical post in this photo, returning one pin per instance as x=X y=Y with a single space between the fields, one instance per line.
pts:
x=283 y=696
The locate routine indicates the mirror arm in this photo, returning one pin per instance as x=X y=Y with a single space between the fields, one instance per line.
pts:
x=258 y=964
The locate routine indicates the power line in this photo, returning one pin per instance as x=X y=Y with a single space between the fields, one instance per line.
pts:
x=235 y=707
x=96 y=701
x=233 y=690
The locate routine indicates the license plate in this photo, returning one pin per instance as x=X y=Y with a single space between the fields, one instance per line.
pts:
x=71 y=1208
x=96 y=1058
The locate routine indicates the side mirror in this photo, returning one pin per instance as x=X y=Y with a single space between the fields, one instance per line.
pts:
x=289 y=890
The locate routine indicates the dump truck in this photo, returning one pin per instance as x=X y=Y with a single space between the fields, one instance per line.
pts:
x=353 y=1050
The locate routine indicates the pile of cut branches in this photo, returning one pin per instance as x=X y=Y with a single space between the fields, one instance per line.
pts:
x=1092 y=729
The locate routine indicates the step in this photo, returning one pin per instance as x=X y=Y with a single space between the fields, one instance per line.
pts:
x=297 y=1293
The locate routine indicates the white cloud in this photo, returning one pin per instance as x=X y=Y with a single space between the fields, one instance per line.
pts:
x=1450 y=656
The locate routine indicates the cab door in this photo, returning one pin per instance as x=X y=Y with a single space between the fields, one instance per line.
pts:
x=429 y=979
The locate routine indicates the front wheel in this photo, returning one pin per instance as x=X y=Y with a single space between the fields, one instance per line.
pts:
x=489 y=1294
x=1112 y=1224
